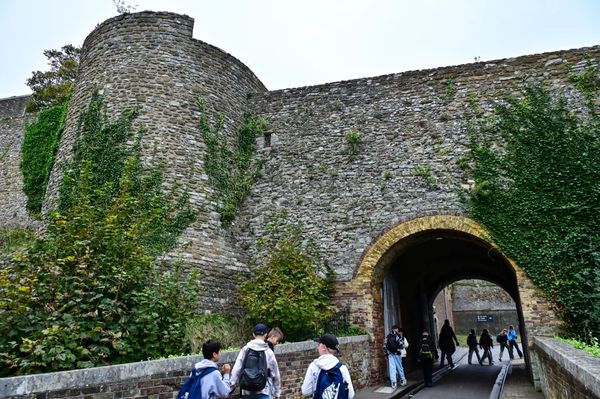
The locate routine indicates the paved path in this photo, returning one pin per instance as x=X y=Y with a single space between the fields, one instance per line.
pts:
x=464 y=382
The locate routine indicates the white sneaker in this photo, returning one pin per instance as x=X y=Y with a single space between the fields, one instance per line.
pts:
x=403 y=383
x=393 y=385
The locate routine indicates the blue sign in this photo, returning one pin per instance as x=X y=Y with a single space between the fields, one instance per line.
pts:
x=484 y=318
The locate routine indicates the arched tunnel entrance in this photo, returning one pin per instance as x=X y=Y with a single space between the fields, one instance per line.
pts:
x=427 y=262
x=402 y=271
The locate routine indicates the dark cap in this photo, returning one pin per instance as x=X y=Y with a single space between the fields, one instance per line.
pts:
x=329 y=341
x=260 y=329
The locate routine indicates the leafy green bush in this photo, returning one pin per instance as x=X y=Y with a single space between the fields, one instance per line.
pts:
x=291 y=288
x=40 y=144
x=591 y=346
x=90 y=292
x=539 y=198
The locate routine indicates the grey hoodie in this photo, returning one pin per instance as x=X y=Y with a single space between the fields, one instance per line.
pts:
x=258 y=345
x=213 y=385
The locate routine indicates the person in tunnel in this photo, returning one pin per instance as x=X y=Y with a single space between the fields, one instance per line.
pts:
x=472 y=343
x=426 y=354
x=395 y=347
x=486 y=343
x=446 y=341
x=512 y=343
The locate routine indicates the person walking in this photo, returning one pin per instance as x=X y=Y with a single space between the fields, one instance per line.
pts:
x=249 y=364
x=393 y=346
x=486 y=343
x=472 y=344
x=446 y=342
x=274 y=337
x=427 y=353
x=512 y=343
x=502 y=340
x=327 y=369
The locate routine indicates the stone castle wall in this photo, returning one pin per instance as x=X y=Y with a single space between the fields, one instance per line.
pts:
x=12 y=198
x=414 y=129
x=150 y=61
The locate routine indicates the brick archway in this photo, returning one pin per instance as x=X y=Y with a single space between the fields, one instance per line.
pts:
x=363 y=293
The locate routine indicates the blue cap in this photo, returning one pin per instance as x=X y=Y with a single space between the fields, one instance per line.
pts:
x=260 y=329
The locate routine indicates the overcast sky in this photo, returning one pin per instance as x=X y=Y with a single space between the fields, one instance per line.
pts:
x=304 y=42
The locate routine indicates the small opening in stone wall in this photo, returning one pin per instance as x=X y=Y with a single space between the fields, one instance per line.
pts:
x=267 y=139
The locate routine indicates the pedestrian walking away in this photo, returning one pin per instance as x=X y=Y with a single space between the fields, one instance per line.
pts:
x=205 y=381
x=426 y=354
x=326 y=376
x=502 y=340
x=512 y=343
x=486 y=343
x=254 y=365
x=394 y=346
x=472 y=344
x=446 y=341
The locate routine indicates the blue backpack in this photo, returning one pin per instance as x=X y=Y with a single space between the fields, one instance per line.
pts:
x=331 y=384
x=191 y=388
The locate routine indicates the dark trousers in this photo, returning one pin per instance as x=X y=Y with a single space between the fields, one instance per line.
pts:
x=511 y=345
x=427 y=371
x=448 y=356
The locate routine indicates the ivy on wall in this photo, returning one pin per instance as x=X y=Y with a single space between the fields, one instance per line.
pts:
x=539 y=195
x=230 y=166
x=40 y=144
x=93 y=291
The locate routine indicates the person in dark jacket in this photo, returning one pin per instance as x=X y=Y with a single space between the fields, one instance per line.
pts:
x=472 y=343
x=446 y=341
x=486 y=343
x=427 y=353
x=502 y=340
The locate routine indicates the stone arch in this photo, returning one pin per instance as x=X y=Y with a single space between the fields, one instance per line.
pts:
x=364 y=292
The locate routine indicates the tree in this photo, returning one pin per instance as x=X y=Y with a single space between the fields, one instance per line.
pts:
x=53 y=87
x=291 y=287
x=539 y=194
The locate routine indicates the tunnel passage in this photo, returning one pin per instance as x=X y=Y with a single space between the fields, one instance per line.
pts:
x=416 y=258
x=420 y=266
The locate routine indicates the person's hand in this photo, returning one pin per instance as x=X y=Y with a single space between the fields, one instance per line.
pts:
x=226 y=368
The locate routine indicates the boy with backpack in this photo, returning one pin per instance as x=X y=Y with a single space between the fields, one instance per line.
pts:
x=427 y=353
x=205 y=381
x=395 y=347
x=254 y=365
x=327 y=377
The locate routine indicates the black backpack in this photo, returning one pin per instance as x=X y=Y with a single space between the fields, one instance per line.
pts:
x=393 y=344
x=253 y=376
x=425 y=352
x=191 y=388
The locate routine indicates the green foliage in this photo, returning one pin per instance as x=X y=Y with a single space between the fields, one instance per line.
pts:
x=539 y=196
x=587 y=82
x=231 y=331
x=291 y=286
x=40 y=144
x=450 y=89
x=89 y=292
x=14 y=239
x=53 y=87
x=354 y=138
x=591 y=346
x=230 y=168
x=425 y=173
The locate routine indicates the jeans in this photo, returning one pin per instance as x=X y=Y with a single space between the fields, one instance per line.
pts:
x=510 y=353
x=471 y=350
x=513 y=344
x=448 y=356
x=395 y=365
x=487 y=352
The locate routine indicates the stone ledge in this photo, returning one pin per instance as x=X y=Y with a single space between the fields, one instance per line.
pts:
x=581 y=365
x=28 y=384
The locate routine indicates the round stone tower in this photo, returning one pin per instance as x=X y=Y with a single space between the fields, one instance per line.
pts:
x=149 y=60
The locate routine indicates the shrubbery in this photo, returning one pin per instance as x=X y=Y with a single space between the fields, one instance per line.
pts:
x=291 y=287
x=90 y=292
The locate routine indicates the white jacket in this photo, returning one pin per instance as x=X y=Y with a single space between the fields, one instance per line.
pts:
x=324 y=362
x=258 y=345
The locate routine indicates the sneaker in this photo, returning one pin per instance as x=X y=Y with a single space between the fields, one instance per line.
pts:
x=403 y=383
x=393 y=385
x=453 y=366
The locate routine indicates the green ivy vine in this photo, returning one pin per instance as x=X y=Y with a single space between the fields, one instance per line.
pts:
x=539 y=196
x=230 y=166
